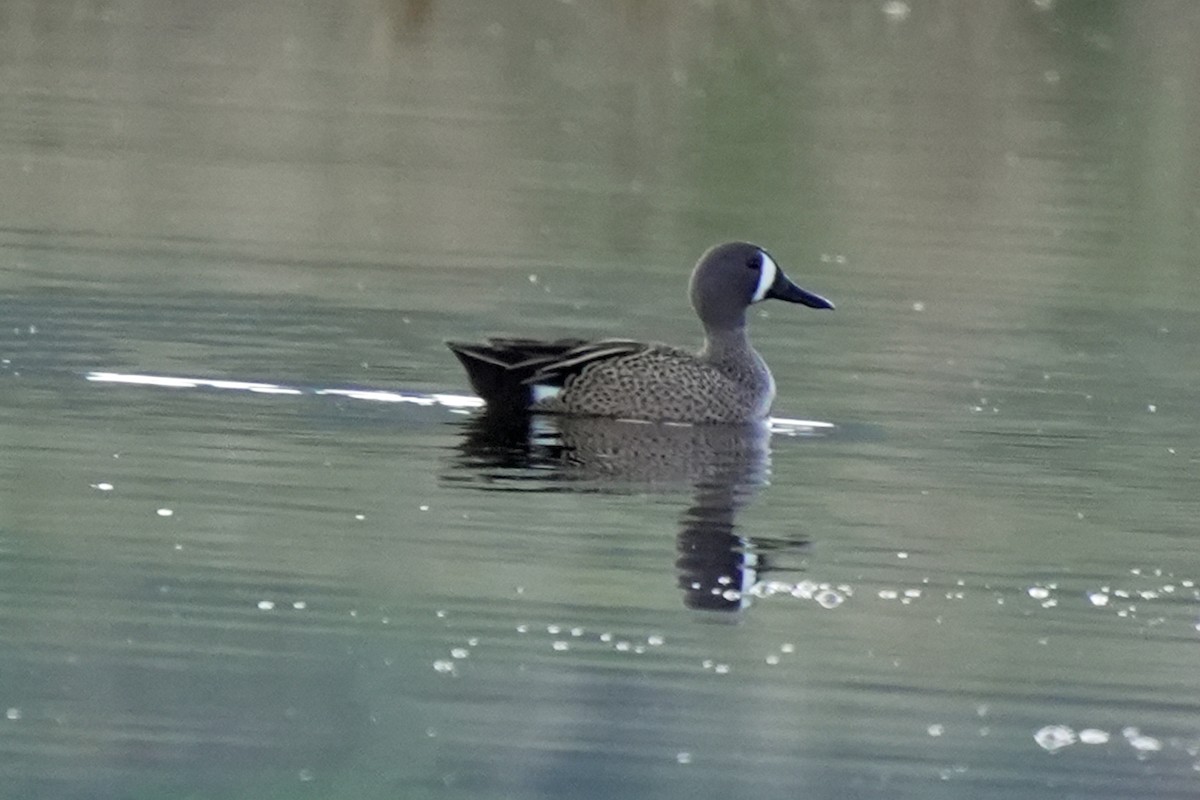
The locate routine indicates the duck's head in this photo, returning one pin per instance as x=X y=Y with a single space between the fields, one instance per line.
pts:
x=731 y=277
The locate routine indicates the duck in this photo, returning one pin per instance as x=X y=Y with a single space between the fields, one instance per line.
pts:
x=726 y=381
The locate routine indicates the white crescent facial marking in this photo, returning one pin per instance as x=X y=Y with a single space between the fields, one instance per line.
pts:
x=766 y=277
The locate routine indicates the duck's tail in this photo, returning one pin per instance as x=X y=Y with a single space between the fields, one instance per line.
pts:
x=499 y=368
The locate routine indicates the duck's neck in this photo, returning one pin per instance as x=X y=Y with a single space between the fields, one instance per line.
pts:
x=726 y=344
x=729 y=351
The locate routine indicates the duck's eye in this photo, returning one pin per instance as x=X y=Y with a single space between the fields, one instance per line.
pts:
x=754 y=261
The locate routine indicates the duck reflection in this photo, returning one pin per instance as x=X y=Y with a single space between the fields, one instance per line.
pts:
x=724 y=467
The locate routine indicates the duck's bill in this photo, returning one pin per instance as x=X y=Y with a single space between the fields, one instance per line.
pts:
x=784 y=289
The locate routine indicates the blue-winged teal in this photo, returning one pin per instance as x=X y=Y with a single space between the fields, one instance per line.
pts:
x=727 y=381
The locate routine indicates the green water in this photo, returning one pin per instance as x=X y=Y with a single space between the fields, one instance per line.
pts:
x=213 y=593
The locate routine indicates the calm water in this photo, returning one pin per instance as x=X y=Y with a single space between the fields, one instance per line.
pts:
x=983 y=581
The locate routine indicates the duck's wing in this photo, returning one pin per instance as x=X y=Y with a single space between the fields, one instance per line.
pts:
x=513 y=352
x=556 y=370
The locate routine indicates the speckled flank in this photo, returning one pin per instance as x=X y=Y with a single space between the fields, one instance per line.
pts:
x=667 y=383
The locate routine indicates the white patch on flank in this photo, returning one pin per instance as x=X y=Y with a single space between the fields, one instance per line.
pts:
x=766 y=277
x=543 y=392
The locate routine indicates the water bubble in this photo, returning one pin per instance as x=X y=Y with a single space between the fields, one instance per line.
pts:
x=164 y=512
x=778 y=587
x=13 y=713
x=804 y=590
x=1093 y=736
x=828 y=598
x=936 y=729
x=683 y=757
x=1140 y=742
x=445 y=666
x=1038 y=592
x=896 y=10
x=1055 y=737
x=1098 y=598
x=266 y=605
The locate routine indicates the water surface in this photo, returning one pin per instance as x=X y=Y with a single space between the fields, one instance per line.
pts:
x=262 y=575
